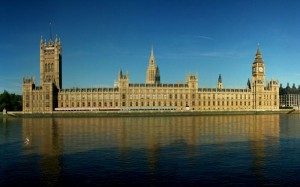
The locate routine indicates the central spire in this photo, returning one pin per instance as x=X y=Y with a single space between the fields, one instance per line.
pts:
x=153 y=76
x=152 y=59
x=152 y=52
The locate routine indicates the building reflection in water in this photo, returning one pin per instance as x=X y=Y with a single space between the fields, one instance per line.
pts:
x=53 y=137
x=43 y=136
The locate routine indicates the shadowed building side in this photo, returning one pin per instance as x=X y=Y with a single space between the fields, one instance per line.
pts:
x=289 y=96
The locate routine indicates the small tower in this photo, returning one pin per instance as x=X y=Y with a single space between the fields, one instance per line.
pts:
x=123 y=80
x=152 y=75
x=220 y=84
x=248 y=84
x=27 y=91
x=192 y=81
x=157 y=76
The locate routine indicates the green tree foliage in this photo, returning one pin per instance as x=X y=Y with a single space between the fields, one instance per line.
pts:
x=11 y=102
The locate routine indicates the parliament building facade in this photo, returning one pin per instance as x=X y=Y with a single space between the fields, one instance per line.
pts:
x=50 y=96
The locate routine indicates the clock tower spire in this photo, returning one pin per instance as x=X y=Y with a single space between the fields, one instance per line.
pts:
x=258 y=67
x=258 y=79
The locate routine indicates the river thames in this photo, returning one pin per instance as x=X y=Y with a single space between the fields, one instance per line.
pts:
x=153 y=151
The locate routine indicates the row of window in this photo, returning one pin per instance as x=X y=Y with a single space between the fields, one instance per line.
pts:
x=49 y=67
x=159 y=104
x=158 y=96
x=38 y=97
x=165 y=96
x=290 y=100
x=66 y=97
x=88 y=104
x=37 y=104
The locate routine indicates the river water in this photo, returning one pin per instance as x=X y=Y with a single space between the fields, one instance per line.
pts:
x=152 y=151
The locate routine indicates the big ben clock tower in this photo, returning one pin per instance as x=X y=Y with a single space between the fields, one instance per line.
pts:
x=258 y=80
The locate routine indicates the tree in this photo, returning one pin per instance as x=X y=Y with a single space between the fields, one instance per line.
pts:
x=10 y=102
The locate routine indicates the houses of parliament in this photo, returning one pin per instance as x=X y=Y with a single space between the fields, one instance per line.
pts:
x=50 y=96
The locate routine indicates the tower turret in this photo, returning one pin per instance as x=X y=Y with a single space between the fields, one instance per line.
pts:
x=123 y=80
x=192 y=81
x=220 y=84
x=248 y=84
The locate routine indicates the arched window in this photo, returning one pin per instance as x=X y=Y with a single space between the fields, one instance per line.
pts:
x=45 y=67
x=48 y=67
x=52 y=67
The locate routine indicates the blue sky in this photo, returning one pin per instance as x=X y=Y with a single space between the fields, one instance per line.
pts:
x=99 y=38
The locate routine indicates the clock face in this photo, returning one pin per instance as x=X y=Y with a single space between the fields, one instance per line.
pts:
x=260 y=69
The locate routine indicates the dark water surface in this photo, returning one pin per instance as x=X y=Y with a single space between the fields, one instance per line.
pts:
x=152 y=151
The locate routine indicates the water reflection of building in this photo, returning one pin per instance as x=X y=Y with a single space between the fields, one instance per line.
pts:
x=43 y=136
x=83 y=134
x=290 y=127
x=50 y=137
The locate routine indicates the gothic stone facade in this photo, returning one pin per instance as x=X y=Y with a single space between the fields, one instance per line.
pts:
x=152 y=95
